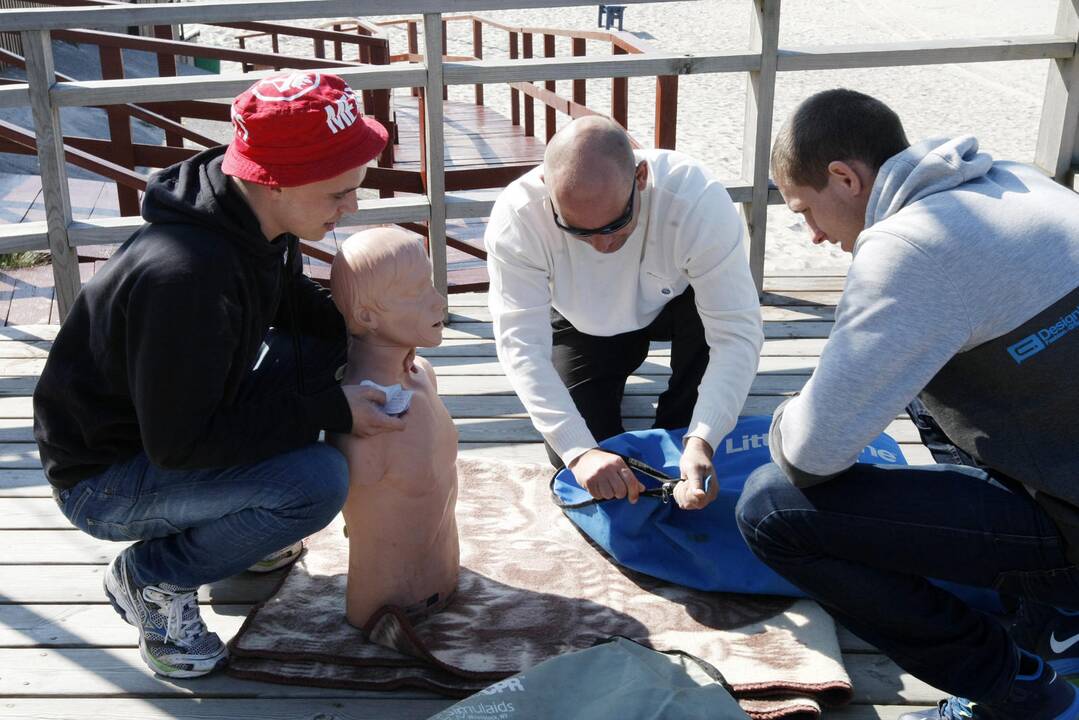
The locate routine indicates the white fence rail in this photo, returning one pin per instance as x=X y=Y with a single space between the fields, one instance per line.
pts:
x=1056 y=149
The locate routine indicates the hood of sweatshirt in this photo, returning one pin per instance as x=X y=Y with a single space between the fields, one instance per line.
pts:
x=197 y=192
x=923 y=169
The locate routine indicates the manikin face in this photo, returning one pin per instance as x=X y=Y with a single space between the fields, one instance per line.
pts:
x=413 y=310
x=609 y=207
x=832 y=213
x=311 y=211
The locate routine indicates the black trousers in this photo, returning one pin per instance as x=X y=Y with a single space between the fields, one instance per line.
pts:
x=595 y=369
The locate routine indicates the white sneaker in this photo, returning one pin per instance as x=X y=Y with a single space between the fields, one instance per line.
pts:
x=173 y=639
x=277 y=560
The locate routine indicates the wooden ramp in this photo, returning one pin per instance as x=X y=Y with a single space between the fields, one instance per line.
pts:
x=64 y=653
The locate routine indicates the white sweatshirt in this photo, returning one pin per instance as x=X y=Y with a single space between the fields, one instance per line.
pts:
x=688 y=233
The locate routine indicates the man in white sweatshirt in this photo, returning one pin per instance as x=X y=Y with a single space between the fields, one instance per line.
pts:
x=964 y=291
x=591 y=256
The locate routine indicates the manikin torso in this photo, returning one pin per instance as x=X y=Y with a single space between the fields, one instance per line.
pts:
x=402 y=531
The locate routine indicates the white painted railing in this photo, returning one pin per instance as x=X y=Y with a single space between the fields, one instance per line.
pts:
x=1056 y=148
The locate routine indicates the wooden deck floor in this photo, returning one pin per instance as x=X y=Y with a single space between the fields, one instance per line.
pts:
x=65 y=654
x=63 y=651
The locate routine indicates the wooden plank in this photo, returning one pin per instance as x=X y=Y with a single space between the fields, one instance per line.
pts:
x=15 y=430
x=653 y=365
x=24 y=483
x=434 y=136
x=241 y=10
x=474 y=347
x=86 y=625
x=772 y=330
x=19 y=456
x=637 y=385
x=371 y=706
x=926 y=52
x=1057 y=150
x=788 y=313
x=16 y=407
x=41 y=75
x=534 y=452
x=82 y=583
x=471 y=430
x=606 y=66
x=757 y=135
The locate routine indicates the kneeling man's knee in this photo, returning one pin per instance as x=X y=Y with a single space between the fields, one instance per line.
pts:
x=762 y=510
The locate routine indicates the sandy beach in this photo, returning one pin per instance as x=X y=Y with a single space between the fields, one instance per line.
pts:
x=998 y=102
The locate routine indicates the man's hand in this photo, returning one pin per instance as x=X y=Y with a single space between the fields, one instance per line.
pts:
x=696 y=465
x=605 y=476
x=367 y=416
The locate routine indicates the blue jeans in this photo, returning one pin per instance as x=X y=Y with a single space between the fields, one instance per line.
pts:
x=863 y=544
x=199 y=526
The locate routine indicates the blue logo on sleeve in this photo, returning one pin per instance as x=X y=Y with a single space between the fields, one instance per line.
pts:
x=1033 y=344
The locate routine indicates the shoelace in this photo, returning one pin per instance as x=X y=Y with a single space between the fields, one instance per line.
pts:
x=174 y=607
x=956 y=708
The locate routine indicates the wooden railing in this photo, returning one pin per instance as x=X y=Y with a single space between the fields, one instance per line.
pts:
x=45 y=93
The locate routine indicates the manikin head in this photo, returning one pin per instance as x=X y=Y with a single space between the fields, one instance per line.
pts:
x=300 y=150
x=595 y=182
x=826 y=157
x=381 y=284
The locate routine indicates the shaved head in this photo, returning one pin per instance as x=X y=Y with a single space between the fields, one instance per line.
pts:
x=587 y=158
x=365 y=270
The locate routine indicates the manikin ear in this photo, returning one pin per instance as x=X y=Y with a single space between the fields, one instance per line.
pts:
x=367 y=318
x=851 y=177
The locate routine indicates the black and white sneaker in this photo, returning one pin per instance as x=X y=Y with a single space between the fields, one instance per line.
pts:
x=173 y=639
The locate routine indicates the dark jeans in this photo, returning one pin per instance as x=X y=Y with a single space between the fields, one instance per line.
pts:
x=193 y=527
x=863 y=544
x=595 y=369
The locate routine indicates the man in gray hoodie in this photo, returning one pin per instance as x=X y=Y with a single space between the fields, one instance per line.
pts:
x=964 y=292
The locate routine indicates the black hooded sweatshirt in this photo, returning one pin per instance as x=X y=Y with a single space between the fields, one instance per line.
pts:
x=155 y=347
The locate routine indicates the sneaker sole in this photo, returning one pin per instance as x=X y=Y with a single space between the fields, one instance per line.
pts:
x=1073 y=710
x=199 y=669
x=1068 y=668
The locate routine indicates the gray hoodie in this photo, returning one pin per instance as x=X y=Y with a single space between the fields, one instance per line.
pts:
x=962 y=262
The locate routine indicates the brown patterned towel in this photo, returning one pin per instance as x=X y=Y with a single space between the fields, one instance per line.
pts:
x=532 y=587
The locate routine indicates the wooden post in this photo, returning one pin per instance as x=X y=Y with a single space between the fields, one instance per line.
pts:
x=620 y=95
x=433 y=137
x=445 y=44
x=166 y=67
x=41 y=76
x=550 y=120
x=515 y=96
x=413 y=47
x=529 y=102
x=477 y=52
x=757 y=141
x=1057 y=151
x=121 y=150
x=380 y=109
x=579 y=86
x=337 y=54
x=666 y=111
x=320 y=48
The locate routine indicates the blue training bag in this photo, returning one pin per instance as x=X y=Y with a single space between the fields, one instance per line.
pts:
x=701 y=549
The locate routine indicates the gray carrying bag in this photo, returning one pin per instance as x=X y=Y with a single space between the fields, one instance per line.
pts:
x=617 y=679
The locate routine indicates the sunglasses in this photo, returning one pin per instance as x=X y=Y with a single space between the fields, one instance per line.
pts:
x=612 y=227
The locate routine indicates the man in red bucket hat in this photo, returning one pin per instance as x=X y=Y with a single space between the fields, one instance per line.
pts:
x=182 y=401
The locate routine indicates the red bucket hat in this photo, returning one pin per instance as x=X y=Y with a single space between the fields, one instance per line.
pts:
x=300 y=127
